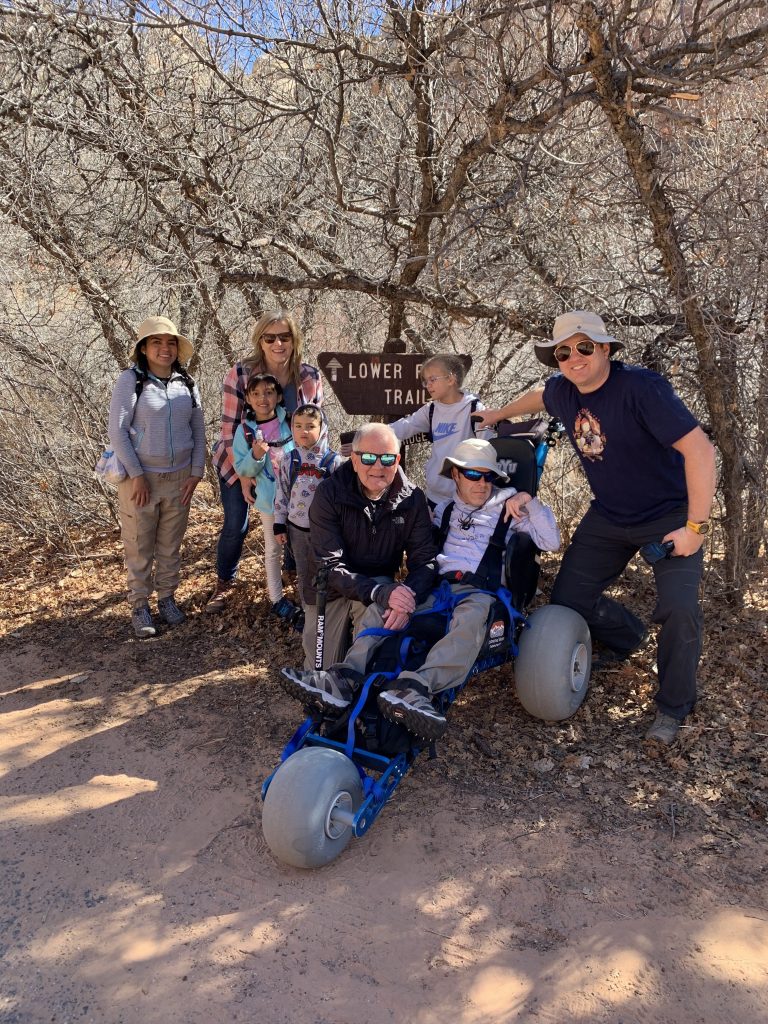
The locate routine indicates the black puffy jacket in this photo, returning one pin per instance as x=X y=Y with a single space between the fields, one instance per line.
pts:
x=366 y=540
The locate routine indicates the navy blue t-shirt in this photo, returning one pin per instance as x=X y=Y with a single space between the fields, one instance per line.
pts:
x=622 y=434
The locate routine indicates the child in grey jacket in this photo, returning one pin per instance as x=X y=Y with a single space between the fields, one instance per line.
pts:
x=310 y=462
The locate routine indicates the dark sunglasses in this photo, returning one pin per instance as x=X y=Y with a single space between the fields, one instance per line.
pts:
x=369 y=459
x=564 y=352
x=477 y=474
x=270 y=339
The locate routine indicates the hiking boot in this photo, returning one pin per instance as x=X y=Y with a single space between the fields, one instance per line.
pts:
x=217 y=602
x=409 y=707
x=664 y=729
x=170 y=611
x=607 y=658
x=141 y=620
x=285 y=609
x=325 y=690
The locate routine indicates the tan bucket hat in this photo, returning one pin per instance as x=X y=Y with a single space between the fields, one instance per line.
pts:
x=162 y=325
x=578 y=321
x=474 y=454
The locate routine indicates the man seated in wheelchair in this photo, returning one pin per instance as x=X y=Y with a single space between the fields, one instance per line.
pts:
x=474 y=530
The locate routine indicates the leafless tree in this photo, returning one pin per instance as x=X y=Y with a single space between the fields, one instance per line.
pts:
x=456 y=174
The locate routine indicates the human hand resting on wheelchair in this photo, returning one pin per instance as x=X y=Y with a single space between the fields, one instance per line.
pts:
x=397 y=603
x=517 y=506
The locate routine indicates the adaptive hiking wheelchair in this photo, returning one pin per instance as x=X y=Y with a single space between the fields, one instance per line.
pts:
x=336 y=775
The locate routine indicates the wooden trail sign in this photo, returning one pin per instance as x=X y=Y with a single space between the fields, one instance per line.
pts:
x=373 y=384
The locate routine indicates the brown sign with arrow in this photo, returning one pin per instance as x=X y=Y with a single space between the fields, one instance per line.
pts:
x=371 y=384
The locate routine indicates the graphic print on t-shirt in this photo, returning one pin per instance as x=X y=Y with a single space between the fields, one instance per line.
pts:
x=587 y=435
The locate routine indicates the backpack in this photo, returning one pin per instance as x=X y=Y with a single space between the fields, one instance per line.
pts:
x=142 y=377
x=294 y=466
x=472 y=408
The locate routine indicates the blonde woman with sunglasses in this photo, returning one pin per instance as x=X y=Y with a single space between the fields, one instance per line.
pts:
x=276 y=348
x=651 y=469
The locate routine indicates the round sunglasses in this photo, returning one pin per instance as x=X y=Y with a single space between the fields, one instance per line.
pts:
x=564 y=352
x=370 y=458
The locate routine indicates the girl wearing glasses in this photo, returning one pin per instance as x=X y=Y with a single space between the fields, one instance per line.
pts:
x=446 y=420
x=276 y=348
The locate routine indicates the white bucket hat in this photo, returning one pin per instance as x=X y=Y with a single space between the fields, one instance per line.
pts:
x=162 y=325
x=579 y=321
x=474 y=454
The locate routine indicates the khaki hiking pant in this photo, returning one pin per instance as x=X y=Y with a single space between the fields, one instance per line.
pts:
x=152 y=535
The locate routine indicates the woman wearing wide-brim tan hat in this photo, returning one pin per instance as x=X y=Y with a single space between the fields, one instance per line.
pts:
x=157 y=430
x=276 y=348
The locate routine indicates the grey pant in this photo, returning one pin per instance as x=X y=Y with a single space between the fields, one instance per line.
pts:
x=299 y=540
x=450 y=659
x=152 y=535
x=338 y=614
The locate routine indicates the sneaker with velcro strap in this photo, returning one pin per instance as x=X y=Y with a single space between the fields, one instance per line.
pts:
x=410 y=706
x=326 y=690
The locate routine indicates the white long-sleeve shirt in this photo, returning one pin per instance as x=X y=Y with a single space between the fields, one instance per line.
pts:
x=470 y=530
x=451 y=425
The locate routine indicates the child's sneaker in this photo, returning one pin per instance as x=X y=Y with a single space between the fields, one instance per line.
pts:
x=326 y=690
x=141 y=620
x=409 y=707
x=170 y=611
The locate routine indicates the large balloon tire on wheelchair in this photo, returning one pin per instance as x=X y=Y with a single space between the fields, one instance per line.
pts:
x=297 y=817
x=553 y=663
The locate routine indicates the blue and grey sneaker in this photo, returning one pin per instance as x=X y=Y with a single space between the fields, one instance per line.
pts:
x=141 y=620
x=324 y=690
x=410 y=706
x=170 y=611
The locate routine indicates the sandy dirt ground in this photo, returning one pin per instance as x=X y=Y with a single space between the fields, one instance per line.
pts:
x=531 y=872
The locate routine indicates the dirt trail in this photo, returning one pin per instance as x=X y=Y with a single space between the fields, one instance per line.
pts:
x=530 y=873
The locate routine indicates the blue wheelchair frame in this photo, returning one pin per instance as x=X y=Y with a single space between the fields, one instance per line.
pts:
x=521 y=452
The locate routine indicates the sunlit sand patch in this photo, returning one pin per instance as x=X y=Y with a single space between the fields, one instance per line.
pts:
x=100 y=791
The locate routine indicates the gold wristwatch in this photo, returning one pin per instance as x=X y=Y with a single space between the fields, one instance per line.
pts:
x=701 y=528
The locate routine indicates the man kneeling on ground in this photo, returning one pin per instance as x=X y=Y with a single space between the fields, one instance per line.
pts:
x=480 y=521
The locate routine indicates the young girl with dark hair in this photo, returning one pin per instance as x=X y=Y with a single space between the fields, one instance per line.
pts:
x=258 y=449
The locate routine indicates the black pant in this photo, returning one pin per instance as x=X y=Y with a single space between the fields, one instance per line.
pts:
x=596 y=557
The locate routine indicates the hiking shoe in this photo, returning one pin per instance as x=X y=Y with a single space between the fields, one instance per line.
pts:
x=217 y=602
x=141 y=620
x=607 y=658
x=170 y=611
x=407 y=706
x=285 y=609
x=664 y=729
x=325 y=690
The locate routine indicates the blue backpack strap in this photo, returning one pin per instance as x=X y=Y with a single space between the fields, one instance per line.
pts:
x=293 y=469
x=472 y=410
x=326 y=461
x=430 y=437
